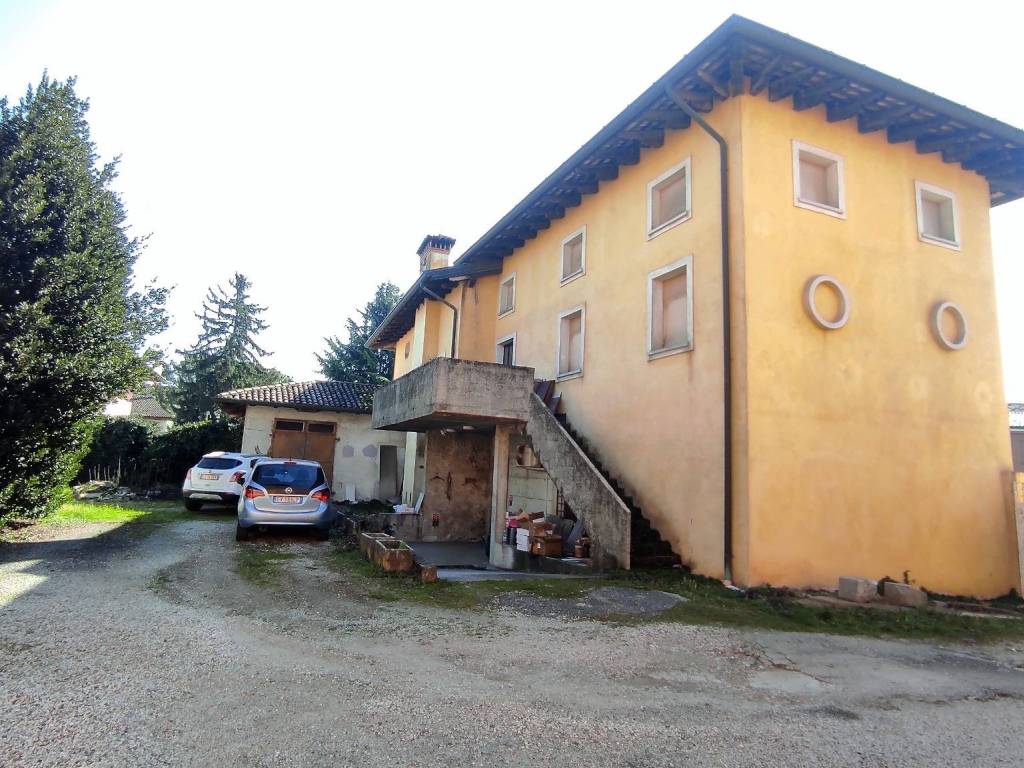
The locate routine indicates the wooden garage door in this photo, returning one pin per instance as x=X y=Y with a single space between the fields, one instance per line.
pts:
x=313 y=440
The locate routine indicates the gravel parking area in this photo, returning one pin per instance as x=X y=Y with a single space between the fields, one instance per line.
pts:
x=172 y=649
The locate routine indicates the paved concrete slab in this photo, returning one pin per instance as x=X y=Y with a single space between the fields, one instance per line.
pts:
x=450 y=554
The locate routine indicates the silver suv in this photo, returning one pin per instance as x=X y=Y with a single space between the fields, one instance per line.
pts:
x=285 y=492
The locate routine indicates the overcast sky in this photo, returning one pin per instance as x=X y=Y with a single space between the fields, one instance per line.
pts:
x=312 y=145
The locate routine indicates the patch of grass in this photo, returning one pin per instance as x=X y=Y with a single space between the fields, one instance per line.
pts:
x=707 y=602
x=76 y=512
x=260 y=566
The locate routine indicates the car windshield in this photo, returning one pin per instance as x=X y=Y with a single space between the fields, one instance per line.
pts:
x=301 y=478
x=212 y=462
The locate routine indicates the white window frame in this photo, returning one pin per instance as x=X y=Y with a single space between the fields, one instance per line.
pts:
x=582 y=231
x=508 y=278
x=810 y=205
x=582 y=310
x=954 y=244
x=686 y=215
x=504 y=340
x=687 y=263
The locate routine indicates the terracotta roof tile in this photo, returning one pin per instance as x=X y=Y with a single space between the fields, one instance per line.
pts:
x=321 y=395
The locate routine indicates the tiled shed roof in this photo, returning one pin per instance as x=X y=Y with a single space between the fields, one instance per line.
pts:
x=305 y=395
x=1017 y=415
x=147 y=407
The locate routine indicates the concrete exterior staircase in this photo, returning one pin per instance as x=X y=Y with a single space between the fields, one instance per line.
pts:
x=584 y=488
x=646 y=547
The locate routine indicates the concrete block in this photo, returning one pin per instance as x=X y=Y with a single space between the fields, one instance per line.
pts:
x=857 y=590
x=904 y=594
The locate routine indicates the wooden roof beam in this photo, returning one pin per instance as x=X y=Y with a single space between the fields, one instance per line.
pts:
x=786 y=86
x=672 y=118
x=701 y=101
x=720 y=87
x=652 y=137
x=911 y=130
x=988 y=161
x=759 y=83
x=956 y=153
x=844 y=110
x=565 y=199
x=940 y=141
x=626 y=154
x=813 y=95
x=882 y=118
x=737 y=79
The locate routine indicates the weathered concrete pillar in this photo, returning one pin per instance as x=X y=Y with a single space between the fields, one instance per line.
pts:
x=499 y=496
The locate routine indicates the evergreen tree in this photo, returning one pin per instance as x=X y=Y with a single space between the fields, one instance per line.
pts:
x=225 y=357
x=72 y=329
x=350 y=360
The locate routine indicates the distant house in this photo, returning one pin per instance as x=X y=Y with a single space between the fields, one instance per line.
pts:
x=329 y=422
x=1017 y=435
x=142 y=407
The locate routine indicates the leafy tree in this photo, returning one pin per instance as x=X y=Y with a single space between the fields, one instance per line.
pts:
x=350 y=360
x=225 y=357
x=72 y=327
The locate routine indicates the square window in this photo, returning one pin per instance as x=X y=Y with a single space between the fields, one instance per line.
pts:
x=507 y=350
x=574 y=255
x=570 y=342
x=670 y=308
x=936 y=216
x=818 y=180
x=668 y=198
x=507 y=295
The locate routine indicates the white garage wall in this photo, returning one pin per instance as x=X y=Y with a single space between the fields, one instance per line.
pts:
x=356 y=452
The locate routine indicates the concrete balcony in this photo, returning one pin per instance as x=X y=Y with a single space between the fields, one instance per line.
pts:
x=454 y=393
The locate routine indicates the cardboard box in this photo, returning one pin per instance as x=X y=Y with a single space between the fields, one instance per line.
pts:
x=547 y=546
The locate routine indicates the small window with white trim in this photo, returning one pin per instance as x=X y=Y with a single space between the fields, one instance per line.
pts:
x=818 y=180
x=668 y=199
x=574 y=255
x=571 y=326
x=936 y=215
x=507 y=295
x=506 y=351
x=670 y=309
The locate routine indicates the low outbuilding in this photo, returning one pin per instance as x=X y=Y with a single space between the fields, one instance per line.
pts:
x=328 y=422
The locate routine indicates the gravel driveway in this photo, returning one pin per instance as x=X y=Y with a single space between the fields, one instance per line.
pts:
x=119 y=648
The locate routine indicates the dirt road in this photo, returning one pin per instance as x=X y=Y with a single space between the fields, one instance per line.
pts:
x=125 y=649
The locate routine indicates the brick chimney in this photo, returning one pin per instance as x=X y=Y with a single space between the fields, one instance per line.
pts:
x=434 y=251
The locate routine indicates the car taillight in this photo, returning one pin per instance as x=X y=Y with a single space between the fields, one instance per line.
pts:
x=254 y=493
x=238 y=477
x=322 y=495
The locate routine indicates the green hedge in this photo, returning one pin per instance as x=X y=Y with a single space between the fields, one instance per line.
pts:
x=170 y=455
x=131 y=453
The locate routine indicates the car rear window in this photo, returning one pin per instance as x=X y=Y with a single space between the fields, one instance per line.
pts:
x=301 y=478
x=211 y=462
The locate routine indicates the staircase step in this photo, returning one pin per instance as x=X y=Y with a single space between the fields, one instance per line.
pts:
x=654 y=561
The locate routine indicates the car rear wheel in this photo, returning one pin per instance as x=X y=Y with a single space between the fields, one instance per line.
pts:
x=241 y=533
x=192 y=505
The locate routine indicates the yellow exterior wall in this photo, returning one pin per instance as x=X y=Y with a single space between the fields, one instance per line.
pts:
x=872 y=450
x=657 y=424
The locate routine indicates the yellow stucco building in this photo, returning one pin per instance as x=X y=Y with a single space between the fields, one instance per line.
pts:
x=764 y=294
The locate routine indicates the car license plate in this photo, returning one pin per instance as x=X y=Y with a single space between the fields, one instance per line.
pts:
x=287 y=499
x=208 y=476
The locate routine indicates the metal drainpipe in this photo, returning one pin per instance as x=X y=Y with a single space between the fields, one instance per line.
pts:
x=723 y=149
x=455 y=315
